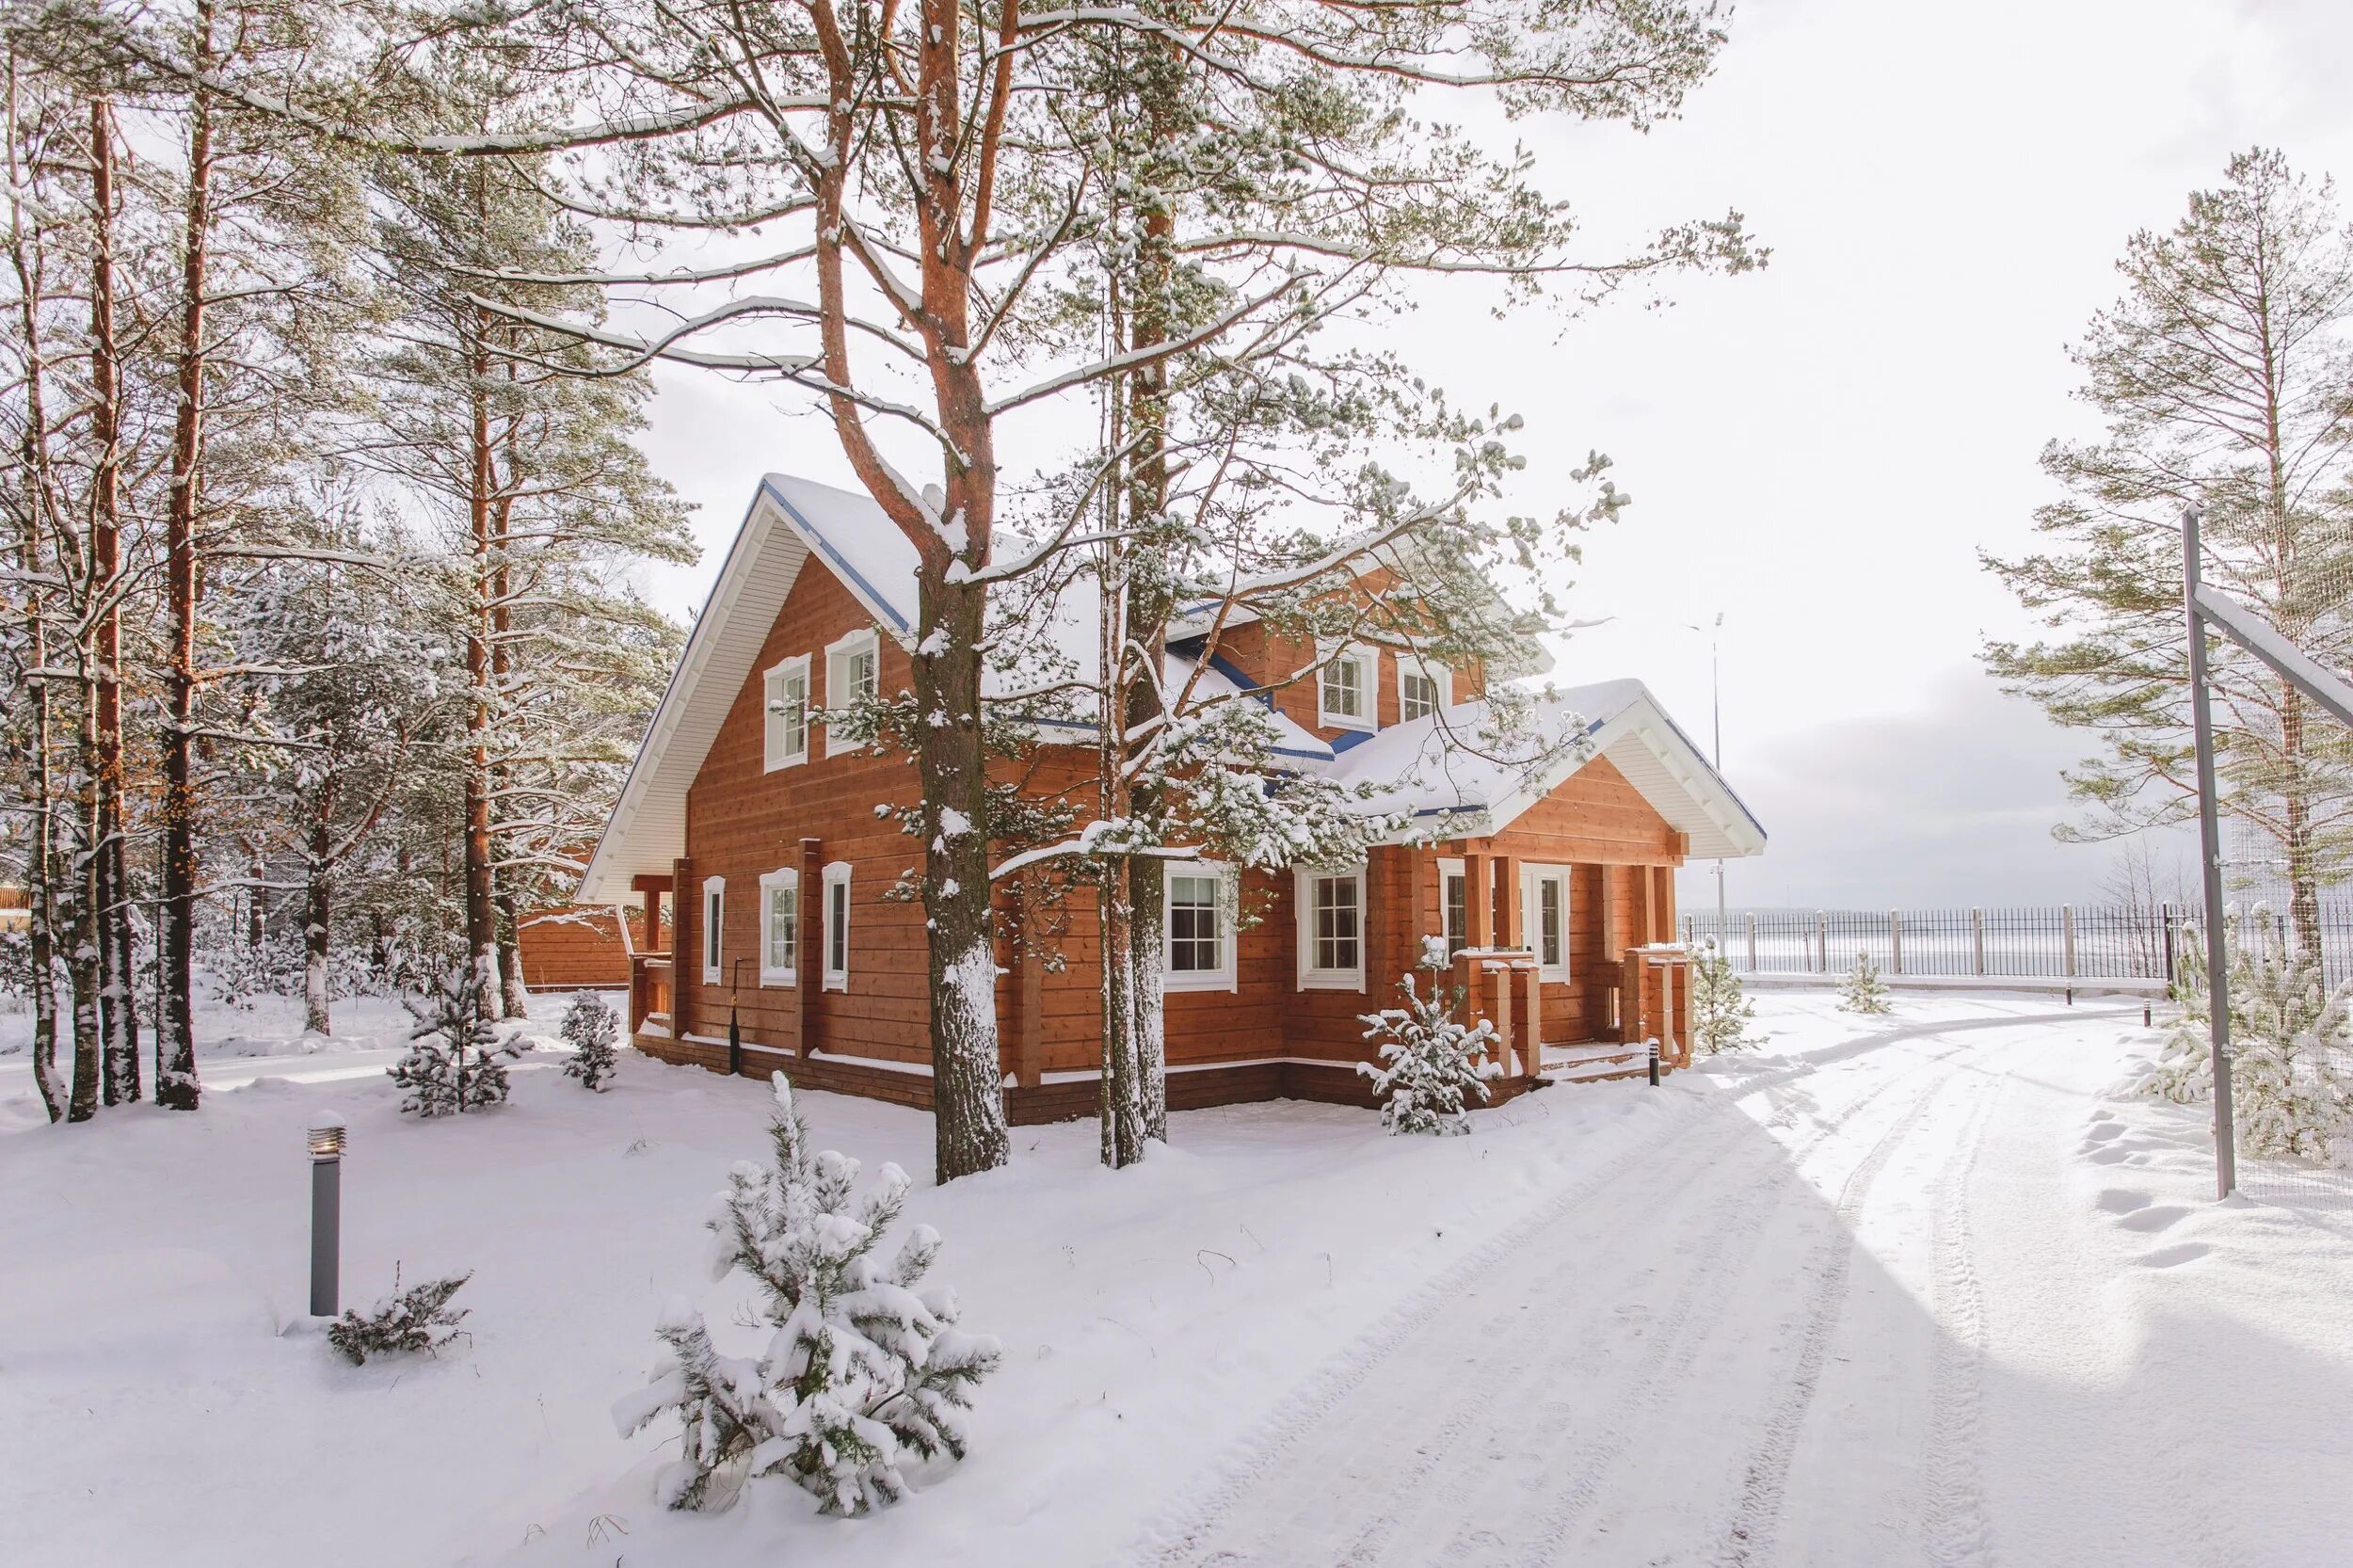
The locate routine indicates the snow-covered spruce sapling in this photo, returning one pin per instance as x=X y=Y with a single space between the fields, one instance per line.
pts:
x=1863 y=990
x=419 y=1319
x=1721 y=1010
x=1431 y=1064
x=2291 y=1055
x=862 y=1371
x=453 y=1063
x=593 y=1034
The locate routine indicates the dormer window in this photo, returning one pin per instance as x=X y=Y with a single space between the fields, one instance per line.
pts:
x=1345 y=691
x=1422 y=687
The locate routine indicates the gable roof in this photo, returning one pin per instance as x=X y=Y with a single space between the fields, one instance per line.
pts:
x=791 y=521
x=1440 y=780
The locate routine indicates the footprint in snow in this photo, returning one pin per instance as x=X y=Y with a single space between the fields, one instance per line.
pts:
x=2174 y=1256
x=2101 y=1131
x=2122 y=1200
x=2159 y=1218
x=2107 y=1154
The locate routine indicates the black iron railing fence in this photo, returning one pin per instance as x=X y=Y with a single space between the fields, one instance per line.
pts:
x=2058 y=942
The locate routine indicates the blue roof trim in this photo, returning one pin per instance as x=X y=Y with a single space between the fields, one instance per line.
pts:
x=834 y=558
x=1353 y=739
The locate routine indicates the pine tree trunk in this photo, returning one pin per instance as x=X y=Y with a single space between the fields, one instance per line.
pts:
x=117 y=1014
x=481 y=925
x=317 y=924
x=176 y=1084
x=82 y=971
x=967 y=1074
x=517 y=996
x=1121 y=1108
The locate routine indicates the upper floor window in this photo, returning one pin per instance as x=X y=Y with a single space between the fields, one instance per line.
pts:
x=853 y=670
x=1200 y=942
x=785 y=690
x=780 y=927
x=1422 y=688
x=715 y=917
x=1345 y=692
x=1330 y=929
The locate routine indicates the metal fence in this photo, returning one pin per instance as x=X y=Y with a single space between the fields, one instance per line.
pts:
x=2060 y=941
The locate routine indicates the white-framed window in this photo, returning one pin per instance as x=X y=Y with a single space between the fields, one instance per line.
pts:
x=836 y=973
x=853 y=670
x=1454 y=905
x=784 y=691
x=1422 y=687
x=1544 y=919
x=1198 y=951
x=714 y=922
x=780 y=927
x=1348 y=689
x=1330 y=929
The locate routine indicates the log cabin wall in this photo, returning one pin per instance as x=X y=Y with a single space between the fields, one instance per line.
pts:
x=579 y=946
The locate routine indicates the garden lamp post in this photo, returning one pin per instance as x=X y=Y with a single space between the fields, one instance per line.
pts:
x=326 y=1202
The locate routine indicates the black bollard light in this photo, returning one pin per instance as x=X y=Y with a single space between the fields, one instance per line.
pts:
x=326 y=1206
x=1653 y=1063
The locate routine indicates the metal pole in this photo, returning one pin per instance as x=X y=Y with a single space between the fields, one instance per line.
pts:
x=326 y=1239
x=1896 y=940
x=1751 y=920
x=2210 y=863
x=2066 y=937
x=1976 y=940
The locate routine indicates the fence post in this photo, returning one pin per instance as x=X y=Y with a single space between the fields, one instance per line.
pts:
x=1896 y=940
x=2171 y=976
x=2067 y=937
x=1821 y=942
x=1977 y=927
x=1751 y=920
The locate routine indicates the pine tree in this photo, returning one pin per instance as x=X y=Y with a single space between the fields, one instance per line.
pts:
x=453 y=1063
x=1433 y=1064
x=2291 y=1053
x=406 y=1323
x=593 y=1034
x=1863 y=990
x=1721 y=1010
x=862 y=1372
x=2223 y=373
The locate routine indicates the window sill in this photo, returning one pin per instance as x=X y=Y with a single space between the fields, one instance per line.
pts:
x=1195 y=980
x=780 y=979
x=780 y=764
x=1331 y=981
x=711 y=974
x=1342 y=721
x=837 y=983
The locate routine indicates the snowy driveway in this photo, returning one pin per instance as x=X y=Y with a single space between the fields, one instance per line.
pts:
x=1860 y=1314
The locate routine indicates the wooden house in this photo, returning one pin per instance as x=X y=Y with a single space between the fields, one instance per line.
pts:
x=1554 y=888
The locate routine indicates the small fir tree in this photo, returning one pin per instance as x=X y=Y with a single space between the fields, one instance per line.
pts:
x=419 y=1319
x=861 y=1370
x=2291 y=1055
x=1863 y=990
x=453 y=1063
x=1433 y=1063
x=1721 y=1009
x=593 y=1034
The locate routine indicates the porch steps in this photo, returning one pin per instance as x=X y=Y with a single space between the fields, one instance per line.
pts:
x=1596 y=1064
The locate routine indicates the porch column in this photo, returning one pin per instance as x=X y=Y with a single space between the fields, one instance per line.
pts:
x=1478 y=915
x=1510 y=934
x=686 y=925
x=1612 y=950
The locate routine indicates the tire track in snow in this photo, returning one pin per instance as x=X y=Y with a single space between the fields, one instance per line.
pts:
x=1182 y=1531
x=1758 y=1516
x=1953 y=1512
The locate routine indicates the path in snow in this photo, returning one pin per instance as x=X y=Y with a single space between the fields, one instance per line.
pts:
x=1761 y=1340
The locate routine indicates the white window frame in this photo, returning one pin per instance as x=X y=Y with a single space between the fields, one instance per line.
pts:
x=1450 y=869
x=1368 y=667
x=838 y=656
x=778 y=750
x=785 y=876
x=714 y=927
x=1409 y=663
x=833 y=977
x=1303 y=905
x=1223 y=978
x=1532 y=878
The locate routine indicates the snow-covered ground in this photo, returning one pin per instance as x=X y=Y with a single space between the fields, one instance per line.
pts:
x=1905 y=1290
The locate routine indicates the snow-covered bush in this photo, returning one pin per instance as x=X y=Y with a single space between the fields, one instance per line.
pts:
x=2291 y=1055
x=1431 y=1062
x=403 y=1323
x=1721 y=1009
x=1863 y=990
x=593 y=1034
x=860 y=1372
x=453 y=1063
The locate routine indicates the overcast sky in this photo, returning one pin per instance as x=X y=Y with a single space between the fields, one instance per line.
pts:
x=1819 y=450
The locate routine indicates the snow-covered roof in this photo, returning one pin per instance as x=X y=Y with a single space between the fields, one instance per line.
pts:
x=1442 y=776
x=791 y=520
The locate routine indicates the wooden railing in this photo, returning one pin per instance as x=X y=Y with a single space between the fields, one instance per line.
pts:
x=650 y=989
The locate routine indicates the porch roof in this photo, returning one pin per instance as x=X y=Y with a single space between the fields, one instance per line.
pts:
x=1442 y=773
